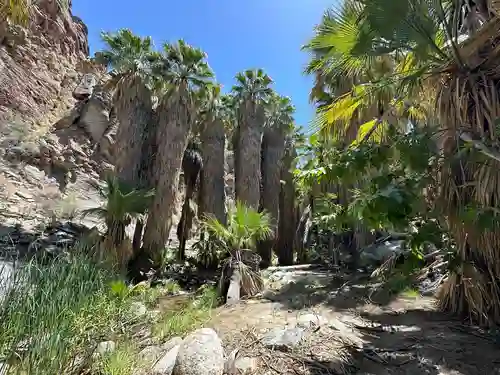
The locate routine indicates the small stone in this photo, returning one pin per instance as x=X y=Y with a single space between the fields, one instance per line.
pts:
x=246 y=365
x=105 y=347
x=166 y=364
x=283 y=337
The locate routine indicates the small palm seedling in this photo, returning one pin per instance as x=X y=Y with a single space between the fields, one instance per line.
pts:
x=237 y=240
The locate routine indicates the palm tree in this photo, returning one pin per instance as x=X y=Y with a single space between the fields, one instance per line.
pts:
x=444 y=54
x=184 y=70
x=238 y=239
x=192 y=166
x=251 y=91
x=131 y=60
x=278 y=125
x=287 y=204
x=123 y=204
x=214 y=116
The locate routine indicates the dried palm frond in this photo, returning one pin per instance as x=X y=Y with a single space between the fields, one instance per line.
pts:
x=245 y=262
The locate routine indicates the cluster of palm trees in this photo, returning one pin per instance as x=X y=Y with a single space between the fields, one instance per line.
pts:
x=381 y=65
x=165 y=99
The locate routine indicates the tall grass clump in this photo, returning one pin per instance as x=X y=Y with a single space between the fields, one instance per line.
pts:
x=55 y=313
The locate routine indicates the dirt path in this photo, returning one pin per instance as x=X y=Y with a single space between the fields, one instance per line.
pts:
x=345 y=329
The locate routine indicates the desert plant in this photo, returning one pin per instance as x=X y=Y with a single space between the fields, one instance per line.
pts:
x=237 y=240
x=123 y=203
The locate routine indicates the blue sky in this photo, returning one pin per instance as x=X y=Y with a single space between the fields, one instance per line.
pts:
x=236 y=35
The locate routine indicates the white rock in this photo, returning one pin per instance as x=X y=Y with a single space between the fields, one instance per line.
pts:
x=246 y=365
x=201 y=353
x=166 y=364
x=105 y=347
x=174 y=341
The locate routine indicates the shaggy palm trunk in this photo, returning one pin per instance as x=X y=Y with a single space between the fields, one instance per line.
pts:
x=212 y=194
x=247 y=154
x=273 y=150
x=468 y=103
x=287 y=211
x=133 y=109
x=174 y=125
x=192 y=165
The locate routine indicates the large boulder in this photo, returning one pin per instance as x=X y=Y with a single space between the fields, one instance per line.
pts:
x=201 y=353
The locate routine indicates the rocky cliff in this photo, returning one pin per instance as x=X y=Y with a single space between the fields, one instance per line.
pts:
x=41 y=64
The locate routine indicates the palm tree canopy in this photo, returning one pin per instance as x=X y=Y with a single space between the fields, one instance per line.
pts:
x=183 y=64
x=245 y=227
x=252 y=84
x=280 y=111
x=126 y=52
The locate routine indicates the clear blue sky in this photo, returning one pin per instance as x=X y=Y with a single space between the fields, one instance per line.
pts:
x=235 y=34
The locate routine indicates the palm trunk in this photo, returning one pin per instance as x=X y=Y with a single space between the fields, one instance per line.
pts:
x=174 y=125
x=273 y=150
x=287 y=211
x=248 y=159
x=212 y=189
x=133 y=109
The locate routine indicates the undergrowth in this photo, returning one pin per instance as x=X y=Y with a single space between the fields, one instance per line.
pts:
x=55 y=314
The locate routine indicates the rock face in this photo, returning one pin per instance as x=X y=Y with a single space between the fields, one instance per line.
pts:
x=201 y=353
x=41 y=64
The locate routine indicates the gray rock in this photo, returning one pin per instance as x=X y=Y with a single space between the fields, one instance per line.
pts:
x=105 y=347
x=377 y=254
x=6 y=278
x=201 y=353
x=151 y=354
x=171 y=343
x=166 y=364
x=283 y=337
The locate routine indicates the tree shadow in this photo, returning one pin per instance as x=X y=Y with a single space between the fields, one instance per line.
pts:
x=420 y=341
x=339 y=291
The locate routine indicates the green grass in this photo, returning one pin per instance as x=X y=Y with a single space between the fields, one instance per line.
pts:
x=122 y=361
x=189 y=317
x=56 y=314
x=402 y=285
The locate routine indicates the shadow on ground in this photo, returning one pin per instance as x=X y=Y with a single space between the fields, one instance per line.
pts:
x=339 y=291
x=424 y=342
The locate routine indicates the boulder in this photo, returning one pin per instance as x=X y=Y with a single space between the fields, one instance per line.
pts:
x=200 y=353
x=85 y=88
x=94 y=118
x=166 y=364
x=283 y=337
x=105 y=347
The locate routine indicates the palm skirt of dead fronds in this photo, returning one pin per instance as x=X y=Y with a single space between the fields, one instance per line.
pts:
x=245 y=262
x=469 y=103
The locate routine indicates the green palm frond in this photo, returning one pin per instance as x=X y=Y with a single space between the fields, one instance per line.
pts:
x=245 y=227
x=123 y=201
x=253 y=84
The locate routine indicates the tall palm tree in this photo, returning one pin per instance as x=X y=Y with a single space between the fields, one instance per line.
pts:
x=185 y=71
x=214 y=116
x=251 y=90
x=445 y=55
x=278 y=125
x=287 y=223
x=131 y=59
